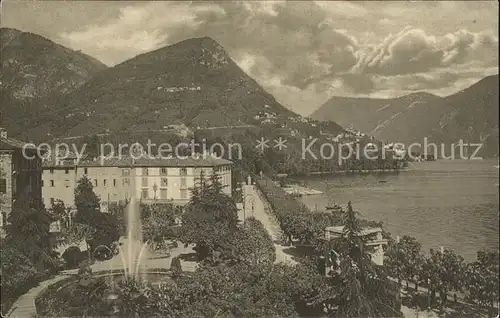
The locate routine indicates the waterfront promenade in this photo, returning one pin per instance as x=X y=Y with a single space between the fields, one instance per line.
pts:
x=262 y=211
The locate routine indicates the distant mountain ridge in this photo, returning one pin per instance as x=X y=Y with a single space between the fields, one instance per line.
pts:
x=471 y=115
x=194 y=82
x=33 y=68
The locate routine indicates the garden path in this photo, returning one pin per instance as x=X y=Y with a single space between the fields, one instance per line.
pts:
x=24 y=306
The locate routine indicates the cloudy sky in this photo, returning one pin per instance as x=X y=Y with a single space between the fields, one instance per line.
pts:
x=302 y=52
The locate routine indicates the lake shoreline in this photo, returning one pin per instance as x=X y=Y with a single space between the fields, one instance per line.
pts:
x=441 y=203
x=349 y=172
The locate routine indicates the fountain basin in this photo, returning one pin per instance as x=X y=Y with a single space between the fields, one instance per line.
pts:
x=55 y=296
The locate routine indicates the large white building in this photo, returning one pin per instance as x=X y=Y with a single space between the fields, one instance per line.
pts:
x=146 y=179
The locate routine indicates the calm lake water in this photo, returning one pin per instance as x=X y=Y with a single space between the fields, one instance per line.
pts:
x=454 y=204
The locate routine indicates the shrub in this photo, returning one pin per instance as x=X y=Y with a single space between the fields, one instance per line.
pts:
x=18 y=275
x=73 y=256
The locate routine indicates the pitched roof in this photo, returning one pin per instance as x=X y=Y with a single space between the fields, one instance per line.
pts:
x=60 y=158
x=127 y=161
x=14 y=144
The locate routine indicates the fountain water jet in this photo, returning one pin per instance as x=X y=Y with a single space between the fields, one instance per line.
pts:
x=135 y=249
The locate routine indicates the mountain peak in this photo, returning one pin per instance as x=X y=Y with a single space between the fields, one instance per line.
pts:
x=420 y=95
x=204 y=40
x=203 y=51
x=200 y=43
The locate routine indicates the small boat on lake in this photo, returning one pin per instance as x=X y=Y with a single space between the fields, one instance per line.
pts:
x=382 y=181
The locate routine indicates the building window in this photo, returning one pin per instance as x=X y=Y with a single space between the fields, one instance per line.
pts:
x=85 y=170
x=66 y=171
x=104 y=182
x=42 y=183
x=144 y=182
x=95 y=182
x=51 y=183
x=52 y=201
x=184 y=194
x=3 y=185
x=145 y=172
x=125 y=172
x=197 y=181
x=114 y=182
x=66 y=183
x=144 y=193
x=183 y=182
x=51 y=170
x=163 y=194
x=163 y=171
x=164 y=182
x=126 y=182
x=183 y=171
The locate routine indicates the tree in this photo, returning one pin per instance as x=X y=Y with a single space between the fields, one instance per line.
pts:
x=443 y=271
x=250 y=244
x=209 y=217
x=237 y=178
x=86 y=201
x=158 y=222
x=117 y=210
x=405 y=259
x=482 y=279
x=58 y=210
x=29 y=232
x=106 y=226
x=394 y=261
x=363 y=288
x=107 y=230
x=229 y=291
x=18 y=275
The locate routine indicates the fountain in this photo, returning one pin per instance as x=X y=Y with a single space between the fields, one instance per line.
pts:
x=134 y=249
x=132 y=254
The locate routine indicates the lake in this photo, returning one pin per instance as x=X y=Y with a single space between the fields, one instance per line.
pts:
x=446 y=203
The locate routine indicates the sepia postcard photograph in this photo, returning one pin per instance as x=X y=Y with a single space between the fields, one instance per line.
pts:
x=249 y=159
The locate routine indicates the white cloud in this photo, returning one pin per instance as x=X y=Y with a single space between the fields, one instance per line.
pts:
x=302 y=52
x=138 y=29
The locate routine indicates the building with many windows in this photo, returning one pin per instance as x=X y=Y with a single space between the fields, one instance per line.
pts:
x=172 y=179
x=146 y=179
x=21 y=174
x=58 y=178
